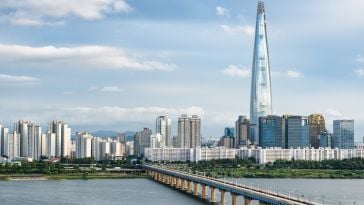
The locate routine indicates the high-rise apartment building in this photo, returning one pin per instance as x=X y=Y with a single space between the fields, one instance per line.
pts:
x=261 y=95
x=271 y=131
x=343 y=134
x=189 y=131
x=63 y=137
x=142 y=141
x=242 y=131
x=164 y=127
x=21 y=127
x=316 y=123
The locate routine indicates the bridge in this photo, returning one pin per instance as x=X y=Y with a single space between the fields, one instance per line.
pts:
x=192 y=184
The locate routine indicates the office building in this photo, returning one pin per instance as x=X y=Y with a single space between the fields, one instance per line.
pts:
x=325 y=139
x=227 y=141
x=316 y=123
x=261 y=95
x=229 y=131
x=343 y=134
x=271 y=131
x=297 y=132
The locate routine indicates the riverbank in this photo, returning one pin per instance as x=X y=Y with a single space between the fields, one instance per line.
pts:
x=287 y=173
x=71 y=176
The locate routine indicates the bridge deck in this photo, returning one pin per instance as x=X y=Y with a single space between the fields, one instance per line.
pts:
x=265 y=196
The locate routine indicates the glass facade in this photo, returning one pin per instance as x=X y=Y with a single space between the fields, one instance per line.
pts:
x=261 y=97
x=344 y=134
x=271 y=131
x=297 y=132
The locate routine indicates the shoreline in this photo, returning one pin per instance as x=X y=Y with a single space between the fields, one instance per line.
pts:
x=67 y=177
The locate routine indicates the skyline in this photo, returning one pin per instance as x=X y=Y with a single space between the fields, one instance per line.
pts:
x=137 y=77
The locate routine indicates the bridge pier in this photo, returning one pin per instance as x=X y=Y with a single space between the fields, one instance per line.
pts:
x=184 y=184
x=213 y=194
x=204 y=191
x=247 y=201
x=234 y=199
x=189 y=189
x=196 y=190
x=222 y=194
x=178 y=183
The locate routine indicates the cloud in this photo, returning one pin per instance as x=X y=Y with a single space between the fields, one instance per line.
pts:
x=49 y=12
x=110 y=89
x=235 y=71
x=294 y=74
x=359 y=72
x=331 y=113
x=359 y=59
x=221 y=11
x=102 y=57
x=246 y=29
x=17 y=79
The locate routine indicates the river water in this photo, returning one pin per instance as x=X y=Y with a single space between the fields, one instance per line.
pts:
x=145 y=191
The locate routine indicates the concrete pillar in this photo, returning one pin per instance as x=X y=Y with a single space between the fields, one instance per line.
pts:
x=234 y=199
x=213 y=195
x=222 y=194
x=155 y=176
x=179 y=183
x=173 y=181
x=189 y=189
x=204 y=191
x=247 y=201
x=184 y=184
x=196 y=189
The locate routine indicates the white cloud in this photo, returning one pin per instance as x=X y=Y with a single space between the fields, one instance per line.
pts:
x=359 y=72
x=294 y=74
x=47 y=12
x=331 y=113
x=17 y=79
x=221 y=11
x=359 y=59
x=111 y=89
x=102 y=57
x=246 y=29
x=235 y=71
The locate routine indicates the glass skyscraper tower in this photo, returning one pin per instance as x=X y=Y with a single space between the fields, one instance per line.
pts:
x=261 y=95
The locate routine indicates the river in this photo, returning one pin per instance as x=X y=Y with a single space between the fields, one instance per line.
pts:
x=145 y=191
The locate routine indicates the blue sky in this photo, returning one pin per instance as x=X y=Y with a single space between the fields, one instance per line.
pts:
x=117 y=64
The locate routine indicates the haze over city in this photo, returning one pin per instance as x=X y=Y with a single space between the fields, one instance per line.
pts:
x=119 y=64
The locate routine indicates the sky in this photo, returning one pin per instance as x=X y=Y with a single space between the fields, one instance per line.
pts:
x=118 y=64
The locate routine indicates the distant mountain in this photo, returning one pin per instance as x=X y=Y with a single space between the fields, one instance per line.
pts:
x=105 y=133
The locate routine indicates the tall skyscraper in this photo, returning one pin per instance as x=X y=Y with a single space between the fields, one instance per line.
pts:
x=261 y=96
x=325 y=139
x=229 y=131
x=343 y=134
x=163 y=127
x=242 y=130
x=271 y=131
x=316 y=123
x=189 y=131
x=297 y=132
